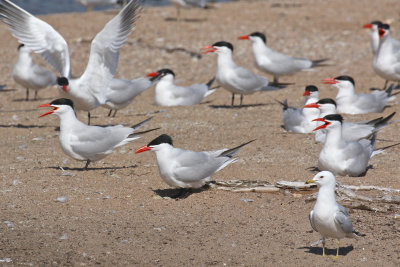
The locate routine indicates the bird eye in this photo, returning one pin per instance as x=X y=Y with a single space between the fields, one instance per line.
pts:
x=321 y=176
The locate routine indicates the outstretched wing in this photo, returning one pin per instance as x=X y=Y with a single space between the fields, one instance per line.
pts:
x=37 y=35
x=104 y=52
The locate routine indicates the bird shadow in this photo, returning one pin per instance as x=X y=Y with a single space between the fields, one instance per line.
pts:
x=31 y=100
x=237 y=107
x=90 y=168
x=343 y=251
x=23 y=126
x=192 y=20
x=179 y=193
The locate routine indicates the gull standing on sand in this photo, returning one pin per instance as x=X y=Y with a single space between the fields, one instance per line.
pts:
x=169 y=94
x=30 y=75
x=185 y=168
x=348 y=101
x=88 y=91
x=276 y=63
x=85 y=142
x=233 y=78
x=329 y=218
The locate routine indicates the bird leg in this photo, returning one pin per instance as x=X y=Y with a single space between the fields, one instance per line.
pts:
x=35 y=98
x=115 y=112
x=323 y=247
x=109 y=113
x=233 y=98
x=241 y=100
x=87 y=164
x=337 y=250
x=88 y=115
x=27 y=94
x=276 y=78
x=384 y=87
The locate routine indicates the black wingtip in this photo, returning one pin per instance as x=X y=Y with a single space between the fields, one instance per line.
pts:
x=359 y=234
x=143 y=132
x=319 y=63
x=232 y=152
x=210 y=82
x=140 y=124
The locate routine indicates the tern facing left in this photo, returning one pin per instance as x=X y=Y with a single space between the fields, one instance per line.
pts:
x=31 y=75
x=233 y=78
x=343 y=157
x=348 y=101
x=85 y=142
x=374 y=34
x=169 y=94
x=329 y=218
x=185 y=168
x=276 y=63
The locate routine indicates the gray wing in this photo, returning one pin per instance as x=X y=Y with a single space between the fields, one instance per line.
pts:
x=342 y=219
x=310 y=217
x=196 y=3
x=37 y=35
x=247 y=80
x=121 y=91
x=104 y=51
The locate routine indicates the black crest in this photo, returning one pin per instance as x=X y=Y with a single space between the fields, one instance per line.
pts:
x=333 y=117
x=377 y=23
x=261 y=35
x=63 y=101
x=162 y=139
x=311 y=88
x=385 y=26
x=327 y=101
x=19 y=47
x=223 y=43
x=345 y=78
x=164 y=72
x=61 y=81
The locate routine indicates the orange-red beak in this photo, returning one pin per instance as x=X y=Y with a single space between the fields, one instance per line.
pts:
x=153 y=74
x=381 y=32
x=312 y=105
x=367 y=26
x=306 y=93
x=65 y=88
x=323 y=125
x=244 y=37
x=208 y=49
x=330 y=81
x=143 y=149
x=49 y=106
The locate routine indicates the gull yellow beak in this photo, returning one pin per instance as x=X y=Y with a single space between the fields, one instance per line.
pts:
x=310 y=181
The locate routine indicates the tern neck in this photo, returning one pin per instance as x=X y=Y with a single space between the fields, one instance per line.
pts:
x=334 y=136
x=67 y=119
x=345 y=90
x=225 y=60
x=24 y=57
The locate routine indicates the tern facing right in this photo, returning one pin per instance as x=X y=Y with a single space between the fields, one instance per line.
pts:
x=85 y=142
x=31 y=75
x=236 y=79
x=169 y=94
x=185 y=168
x=348 y=101
x=276 y=63
x=329 y=218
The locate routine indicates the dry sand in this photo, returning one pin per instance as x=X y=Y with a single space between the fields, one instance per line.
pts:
x=114 y=213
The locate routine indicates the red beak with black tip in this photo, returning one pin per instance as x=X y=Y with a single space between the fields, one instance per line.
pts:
x=208 y=49
x=244 y=37
x=323 y=125
x=367 y=26
x=47 y=106
x=330 y=81
x=143 y=149
x=312 y=105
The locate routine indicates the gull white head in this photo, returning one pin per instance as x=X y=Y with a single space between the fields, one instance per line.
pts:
x=324 y=178
x=157 y=144
x=60 y=106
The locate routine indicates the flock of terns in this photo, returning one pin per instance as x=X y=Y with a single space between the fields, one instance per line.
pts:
x=347 y=146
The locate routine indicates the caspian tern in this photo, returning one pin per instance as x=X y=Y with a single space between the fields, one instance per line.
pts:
x=187 y=4
x=329 y=218
x=121 y=92
x=352 y=131
x=169 y=94
x=30 y=75
x=374 y=34
x=87 y=92
x=236 y=79
x=299 y=120
x=350 y=102
x=85 y=142
x=89 y=4
x=276 y=63
x=343 y=157
x=387 y=58
x=185 y=168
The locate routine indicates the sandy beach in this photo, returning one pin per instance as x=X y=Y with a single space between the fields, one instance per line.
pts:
x=120 y=212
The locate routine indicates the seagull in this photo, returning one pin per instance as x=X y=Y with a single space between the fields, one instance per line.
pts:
x=352 y=131
x=85 y=142
x=185 y=168
x=89 y=4
x=374 y=34
x=122 y=92
x=30 y=75
x=275 y=63
x=387 y=58
x=236 y=79
x=329 y=218
x=169 y=94
x=300 y=120
x=350 y=102
x=87 y=92
x=343 y=157
x=187 y=4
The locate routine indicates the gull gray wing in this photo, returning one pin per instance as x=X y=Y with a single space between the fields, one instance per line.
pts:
x=310 y=217
x=342 y=219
